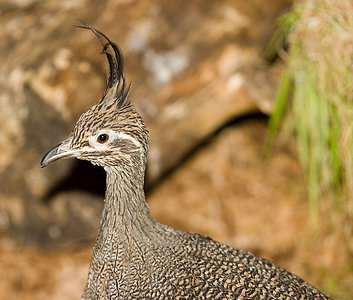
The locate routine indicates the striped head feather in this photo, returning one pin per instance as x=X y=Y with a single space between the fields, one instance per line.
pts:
x=111 y=132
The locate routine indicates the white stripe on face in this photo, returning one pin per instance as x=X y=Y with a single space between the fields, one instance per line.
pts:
x=93 y=140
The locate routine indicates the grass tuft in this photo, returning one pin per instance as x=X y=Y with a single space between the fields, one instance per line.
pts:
x=315 y=95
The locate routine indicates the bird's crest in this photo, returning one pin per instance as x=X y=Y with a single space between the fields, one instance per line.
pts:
x=116 y=93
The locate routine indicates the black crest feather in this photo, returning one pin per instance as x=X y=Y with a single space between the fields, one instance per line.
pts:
x=116 y=82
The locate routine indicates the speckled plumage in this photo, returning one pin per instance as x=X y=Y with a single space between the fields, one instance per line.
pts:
x=134 y=256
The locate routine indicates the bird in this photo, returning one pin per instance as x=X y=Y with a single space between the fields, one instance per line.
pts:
x=134 y=256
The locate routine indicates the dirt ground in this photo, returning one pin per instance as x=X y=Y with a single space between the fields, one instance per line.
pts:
x=224 y=190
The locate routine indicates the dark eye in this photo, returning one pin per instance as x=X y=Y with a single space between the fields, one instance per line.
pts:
x=103 y=138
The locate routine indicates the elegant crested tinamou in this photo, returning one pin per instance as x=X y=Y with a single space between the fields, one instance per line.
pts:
x=134 y=256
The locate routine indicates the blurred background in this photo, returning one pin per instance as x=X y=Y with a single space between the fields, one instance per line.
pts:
x=249 y=108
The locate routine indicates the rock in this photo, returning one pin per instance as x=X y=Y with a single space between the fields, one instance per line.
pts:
x=228 y=192
x=194 y=66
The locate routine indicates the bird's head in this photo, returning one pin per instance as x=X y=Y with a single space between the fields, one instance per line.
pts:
x=111 y=133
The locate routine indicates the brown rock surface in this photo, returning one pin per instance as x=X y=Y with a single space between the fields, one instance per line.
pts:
x=194 y=66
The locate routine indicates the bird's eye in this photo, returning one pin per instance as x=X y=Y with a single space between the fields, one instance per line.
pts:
x=102 y=138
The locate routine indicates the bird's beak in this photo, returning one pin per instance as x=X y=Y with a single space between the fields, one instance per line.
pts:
x=61 y=150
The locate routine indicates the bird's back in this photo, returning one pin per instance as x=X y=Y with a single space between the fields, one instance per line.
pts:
x=171 y=264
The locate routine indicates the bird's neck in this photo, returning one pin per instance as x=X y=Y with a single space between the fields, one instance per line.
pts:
x=126 y=225
x=125 y=208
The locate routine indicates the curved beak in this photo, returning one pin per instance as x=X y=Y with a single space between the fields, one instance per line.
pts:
x=61 y=150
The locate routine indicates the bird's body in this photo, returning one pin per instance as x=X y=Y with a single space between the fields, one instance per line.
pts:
x=135 y=257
